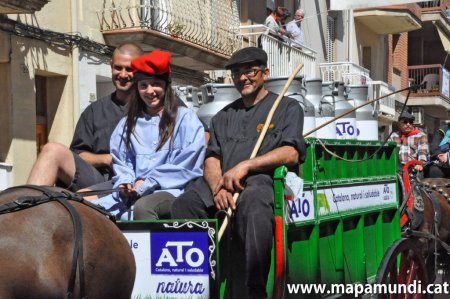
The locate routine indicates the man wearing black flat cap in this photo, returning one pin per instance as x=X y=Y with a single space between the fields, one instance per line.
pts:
x=412 y=142
x=228 y=169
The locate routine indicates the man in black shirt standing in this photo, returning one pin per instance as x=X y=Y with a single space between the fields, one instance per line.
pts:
x=88 y=161
x=228 y=169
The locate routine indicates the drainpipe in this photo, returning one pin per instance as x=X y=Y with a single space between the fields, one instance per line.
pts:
x=75 y=66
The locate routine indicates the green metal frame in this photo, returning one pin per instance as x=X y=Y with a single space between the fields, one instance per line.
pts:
x=347 y=246
x=343 y=246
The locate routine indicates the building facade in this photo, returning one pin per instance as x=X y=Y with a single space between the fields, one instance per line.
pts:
x=54 y=57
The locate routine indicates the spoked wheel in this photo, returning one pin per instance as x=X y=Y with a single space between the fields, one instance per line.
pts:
x=402 y=264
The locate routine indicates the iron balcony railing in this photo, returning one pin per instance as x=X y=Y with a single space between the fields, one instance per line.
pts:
x=284 y=55
x=347 y=72
x=212 y=24
x=432 y=5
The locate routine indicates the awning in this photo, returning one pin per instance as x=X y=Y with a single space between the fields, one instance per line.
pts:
x=354 y=4
x=444 y=39
x=388 y=22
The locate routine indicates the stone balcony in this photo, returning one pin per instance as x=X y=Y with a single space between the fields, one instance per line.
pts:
x=21 y=6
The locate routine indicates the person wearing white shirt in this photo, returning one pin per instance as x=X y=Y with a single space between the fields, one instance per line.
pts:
x=293 y=27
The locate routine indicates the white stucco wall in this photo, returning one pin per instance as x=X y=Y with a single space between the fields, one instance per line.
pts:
x=314 y=28
x=367 y=38
x=89 y=70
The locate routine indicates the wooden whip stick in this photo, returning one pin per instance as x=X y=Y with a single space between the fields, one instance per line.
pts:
x=261 y=137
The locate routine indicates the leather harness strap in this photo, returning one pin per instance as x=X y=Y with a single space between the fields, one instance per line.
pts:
x=77 y=257
x=63 y=198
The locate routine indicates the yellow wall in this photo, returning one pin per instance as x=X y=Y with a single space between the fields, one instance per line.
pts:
x=31 y=57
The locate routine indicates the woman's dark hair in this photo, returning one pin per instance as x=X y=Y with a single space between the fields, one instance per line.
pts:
x=168 y=117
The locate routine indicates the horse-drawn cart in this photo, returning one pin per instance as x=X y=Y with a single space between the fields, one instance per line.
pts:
x=343 y=229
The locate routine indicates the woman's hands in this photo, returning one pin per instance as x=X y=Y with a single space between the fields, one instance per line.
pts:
x=128 y=192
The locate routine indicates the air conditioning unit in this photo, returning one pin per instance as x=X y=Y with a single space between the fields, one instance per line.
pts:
x=419 y=114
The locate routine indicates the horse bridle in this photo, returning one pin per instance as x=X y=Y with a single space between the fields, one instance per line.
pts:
x=64 y=198
x=419 y=188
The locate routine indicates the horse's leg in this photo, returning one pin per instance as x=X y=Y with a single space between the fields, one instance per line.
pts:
x=109 y=262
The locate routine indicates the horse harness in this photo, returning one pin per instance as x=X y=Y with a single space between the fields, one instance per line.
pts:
x=416 y=214
x=64 y=198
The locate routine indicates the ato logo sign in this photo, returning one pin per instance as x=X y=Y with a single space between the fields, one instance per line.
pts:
x=302 y=208
x=178 y=253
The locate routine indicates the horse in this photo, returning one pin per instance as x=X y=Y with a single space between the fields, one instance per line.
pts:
x=53 y=244
x=429 y=219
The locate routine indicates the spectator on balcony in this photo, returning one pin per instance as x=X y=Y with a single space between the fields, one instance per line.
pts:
x=294 y=29
x=439 y=156
x=88 y=160
x=412 y=142
x=273 y=21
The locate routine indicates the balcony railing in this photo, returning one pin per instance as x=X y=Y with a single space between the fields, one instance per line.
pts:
x=209 y=24
x=347 y=72
x=432 y=5
x=284 y=55
x=430 y=80
x=385 y=106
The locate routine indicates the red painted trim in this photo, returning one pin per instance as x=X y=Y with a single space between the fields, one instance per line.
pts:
x=279 y=281
x=404 y=217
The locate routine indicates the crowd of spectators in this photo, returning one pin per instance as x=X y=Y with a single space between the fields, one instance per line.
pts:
x=413 y=144
x=281 y=28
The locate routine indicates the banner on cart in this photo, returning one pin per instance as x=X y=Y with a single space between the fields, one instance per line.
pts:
x=340 y=199
x=173 y=259
x=300 y=208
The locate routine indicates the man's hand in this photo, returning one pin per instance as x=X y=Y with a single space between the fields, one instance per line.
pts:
x=443 y=158
x=232 y=179
x=224 y=199
x=418 y=168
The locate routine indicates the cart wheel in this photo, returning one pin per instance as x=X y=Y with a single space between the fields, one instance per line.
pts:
x=402 y=264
